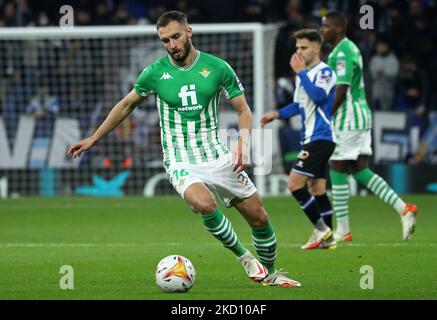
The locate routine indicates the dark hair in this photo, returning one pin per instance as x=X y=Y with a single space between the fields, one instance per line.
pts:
x=312 y=35
x=338 y=18
x=169 y=16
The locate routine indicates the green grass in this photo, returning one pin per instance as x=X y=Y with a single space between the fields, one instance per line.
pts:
x=115 y=244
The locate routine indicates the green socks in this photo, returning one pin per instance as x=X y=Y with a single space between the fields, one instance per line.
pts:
x=220 y=227
x=372 y=181
x=263 y=238
x=264 y=242
x=380 y=188
x=340 y=200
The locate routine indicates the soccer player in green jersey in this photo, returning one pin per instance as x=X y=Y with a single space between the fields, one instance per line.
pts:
x=187 y=85
x=353 y=123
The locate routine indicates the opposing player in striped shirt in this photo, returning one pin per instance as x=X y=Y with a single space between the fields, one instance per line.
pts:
x=313 y=100
x=187 y=84
x=353 y=123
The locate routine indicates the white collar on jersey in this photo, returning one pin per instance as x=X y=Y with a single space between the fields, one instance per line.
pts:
x=314 y=66
x=188 y=68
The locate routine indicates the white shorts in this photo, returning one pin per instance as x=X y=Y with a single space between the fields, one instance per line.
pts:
x=217 y=175
x=351 y=144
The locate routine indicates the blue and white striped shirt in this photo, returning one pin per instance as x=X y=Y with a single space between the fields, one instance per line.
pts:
x=314 y=101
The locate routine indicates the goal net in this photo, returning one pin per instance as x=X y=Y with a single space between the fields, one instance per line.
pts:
x=57 y=86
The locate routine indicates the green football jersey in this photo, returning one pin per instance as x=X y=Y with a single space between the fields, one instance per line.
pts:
x=187 y=101
x=354 y=113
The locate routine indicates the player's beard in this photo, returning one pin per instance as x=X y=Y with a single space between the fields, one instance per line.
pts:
x=186 y=52
x=309 y=60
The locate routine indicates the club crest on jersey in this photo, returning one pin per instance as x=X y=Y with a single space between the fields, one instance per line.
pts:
x=325 y=76
x=205 y=72
x=166 y=76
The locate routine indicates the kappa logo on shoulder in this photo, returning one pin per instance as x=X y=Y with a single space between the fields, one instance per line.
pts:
x=166 y=76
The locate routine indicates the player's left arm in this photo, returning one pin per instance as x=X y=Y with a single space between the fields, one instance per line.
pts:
x=241 y=152
x=234 y=92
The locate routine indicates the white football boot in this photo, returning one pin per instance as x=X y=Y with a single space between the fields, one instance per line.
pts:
x=279 y=279
x=254 y=269
x=317 y=237
x=340 y=236
x=408 y=220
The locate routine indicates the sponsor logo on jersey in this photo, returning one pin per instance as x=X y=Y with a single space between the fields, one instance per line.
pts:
x=303 y=155
x=239 y=84
x=192 y=108
x=189 y=98
x=299 y=164
x=188 y=91
x=205 y=72
x=341 y=68
x=166 y=76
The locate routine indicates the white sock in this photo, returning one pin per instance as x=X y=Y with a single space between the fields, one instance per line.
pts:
x=321 y=225
x=400 y=206
x=343 y=225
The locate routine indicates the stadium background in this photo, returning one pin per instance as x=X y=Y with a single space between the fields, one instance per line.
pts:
x=84 y=78
x=55 y=90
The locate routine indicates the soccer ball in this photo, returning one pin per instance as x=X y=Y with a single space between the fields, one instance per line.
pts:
x=175 y=274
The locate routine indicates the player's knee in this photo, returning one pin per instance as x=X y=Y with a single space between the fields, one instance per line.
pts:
x=206 y=207
x=340 y=166
x=316 y=189
x=293 y=185
x=261 y=219
x=311 y=189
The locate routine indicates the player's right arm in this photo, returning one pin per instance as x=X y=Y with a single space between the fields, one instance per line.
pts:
x=340 y=96
x=120 y=111
x=343 y=66
x=290 y=110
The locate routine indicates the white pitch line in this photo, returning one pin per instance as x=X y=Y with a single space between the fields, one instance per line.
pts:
x=357 y=244
x=75 y=206
x=82 y=245
x=156 y=244
x=401 y=244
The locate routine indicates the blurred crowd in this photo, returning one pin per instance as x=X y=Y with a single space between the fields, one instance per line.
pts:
x=399 y=53
x=399 y=56
x=17 y=13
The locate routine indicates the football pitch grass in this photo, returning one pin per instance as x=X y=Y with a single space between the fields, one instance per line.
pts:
x=115 y=244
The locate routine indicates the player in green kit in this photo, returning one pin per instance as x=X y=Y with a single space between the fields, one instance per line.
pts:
x=353 y=123
x=187 y=85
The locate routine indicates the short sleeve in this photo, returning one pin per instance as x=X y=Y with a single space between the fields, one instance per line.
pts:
x=230 y=82
x=144 y=85
x=344 y=68
x=325 y=79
